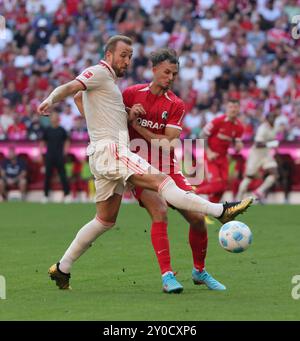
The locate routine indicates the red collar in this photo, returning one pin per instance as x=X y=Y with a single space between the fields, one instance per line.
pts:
x=103 y=62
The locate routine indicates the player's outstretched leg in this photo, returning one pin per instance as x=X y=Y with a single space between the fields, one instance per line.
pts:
x=189 y=201
x=61 y=279
x=170 y=284
x=204 y=277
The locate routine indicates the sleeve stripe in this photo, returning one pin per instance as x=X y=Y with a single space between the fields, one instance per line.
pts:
x=173 y=126
x=81 y=83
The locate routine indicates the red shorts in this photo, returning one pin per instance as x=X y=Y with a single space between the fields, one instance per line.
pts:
x=179 y=179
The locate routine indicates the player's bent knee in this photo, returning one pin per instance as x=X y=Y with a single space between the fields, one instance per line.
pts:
x=160 y=213
x=159 y=180
x=197 y=221
x=107 y=225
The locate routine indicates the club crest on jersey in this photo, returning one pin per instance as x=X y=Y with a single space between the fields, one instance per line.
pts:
x=164 y=115
x=88 y=74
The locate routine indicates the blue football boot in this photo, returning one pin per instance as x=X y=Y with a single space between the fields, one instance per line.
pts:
x=170 y=284
x=204 y=277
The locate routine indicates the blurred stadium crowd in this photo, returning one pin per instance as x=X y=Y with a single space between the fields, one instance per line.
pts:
x=242 y=49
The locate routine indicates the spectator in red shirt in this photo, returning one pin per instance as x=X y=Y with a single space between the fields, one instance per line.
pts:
x=18 y=130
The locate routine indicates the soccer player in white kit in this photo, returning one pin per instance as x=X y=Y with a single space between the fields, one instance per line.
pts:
x=261 y=157
x=111 y=162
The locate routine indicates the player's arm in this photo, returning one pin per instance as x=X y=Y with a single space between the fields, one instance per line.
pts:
x=269 y=144
x=170 y=133
x=134 y=112
x=59 y=94
x=160 y=140
x=79 y=103
x=238 y=144
x=260 y=139
x=209 y=129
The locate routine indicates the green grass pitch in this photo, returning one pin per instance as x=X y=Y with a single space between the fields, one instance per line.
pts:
x=118 y=278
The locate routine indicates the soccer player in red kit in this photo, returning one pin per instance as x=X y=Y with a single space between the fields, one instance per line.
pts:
x=221 y=132
x=161 y=114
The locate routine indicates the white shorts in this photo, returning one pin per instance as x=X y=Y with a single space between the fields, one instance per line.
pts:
x=257 y=161
x=111 y=166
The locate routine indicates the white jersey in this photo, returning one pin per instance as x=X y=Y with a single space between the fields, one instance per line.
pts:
x=103 y=105
x=265 y=133
x=261 y=157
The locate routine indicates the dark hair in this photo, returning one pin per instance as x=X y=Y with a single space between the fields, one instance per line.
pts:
x=233 y=100
x=112 y=42
x=161 y=55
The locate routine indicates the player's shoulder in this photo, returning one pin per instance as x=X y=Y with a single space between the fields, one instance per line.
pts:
x=93 y=70
x=220 y=119
x=170 y=95
x=137 y=88
x=264 y=126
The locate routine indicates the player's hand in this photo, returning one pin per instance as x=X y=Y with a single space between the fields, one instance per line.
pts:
x=238 y=145
x=211 y=155
x=134 y=123
x=135 y=111
x=44 y=107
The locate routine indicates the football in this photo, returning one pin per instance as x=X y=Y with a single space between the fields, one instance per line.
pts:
x=235 y=236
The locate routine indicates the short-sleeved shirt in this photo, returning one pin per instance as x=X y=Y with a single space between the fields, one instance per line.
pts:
x=265 y=132
x=13 y=170
x=222 y=132
x=55 y=139
x=103 y=105
x=162 y=111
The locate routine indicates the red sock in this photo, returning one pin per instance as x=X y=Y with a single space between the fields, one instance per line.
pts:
x=160 y=242
x=198 y=243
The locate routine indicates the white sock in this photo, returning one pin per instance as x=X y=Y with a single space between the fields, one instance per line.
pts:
x=187 y=200
x=243 y=188
x=83 y=240
x=269 y=181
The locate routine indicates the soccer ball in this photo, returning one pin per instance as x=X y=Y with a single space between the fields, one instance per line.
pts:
x=235 y=236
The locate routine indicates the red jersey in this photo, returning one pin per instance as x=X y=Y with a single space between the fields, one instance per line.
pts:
x=162 y=111
x=221 y=133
